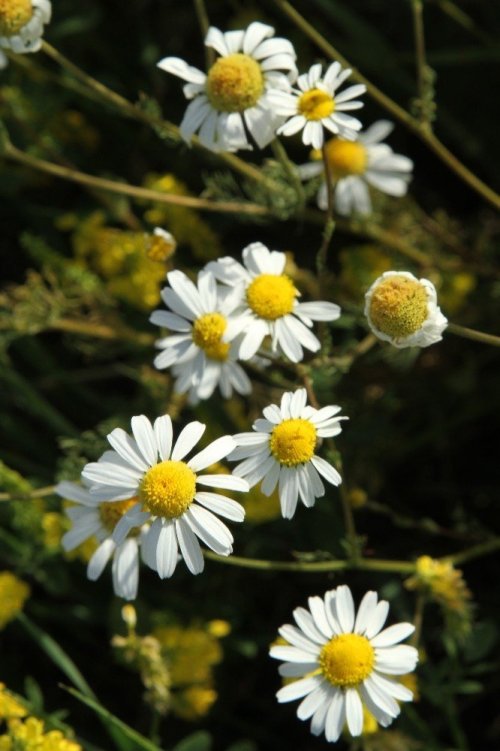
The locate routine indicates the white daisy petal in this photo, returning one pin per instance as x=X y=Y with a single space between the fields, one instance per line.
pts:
x=190 y=547
x=179 y=68
x=344 y=606
x=212 y=454
x=326 y=470
x=163 y=435
x=166 y=550
x=392 y=635
x=100 y=558
x=127 y=448
x=125 y=570
x=188 y=438
x=298 y=689
x=365 y=611
x=354 y=712
x=335 y=717
x=377 y=619
x=297 y=639
x=226 y=482
x=145 y=438
x=221 y=505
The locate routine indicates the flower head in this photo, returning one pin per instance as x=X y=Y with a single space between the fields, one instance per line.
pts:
x=269 y=305
x=232 y=98
x=343 y=661
x=315 y=105
x=13 y=594
x=356 y=165
x=29 y=735
x=198 y=354
x=150 y=470
x=403 y=310
x=21 y=24
x=281 y=451
x=93 y=517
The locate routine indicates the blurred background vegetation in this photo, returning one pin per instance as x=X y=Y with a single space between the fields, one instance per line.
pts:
x=76 y=353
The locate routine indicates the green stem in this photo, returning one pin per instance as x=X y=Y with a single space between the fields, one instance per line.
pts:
x=421 y=65
x=135 y=191
x=204 y=24
x=476 y=551
x=478 y=336
x=38 y=493
x=401 y=567
x=391 y=106
x=290 y=169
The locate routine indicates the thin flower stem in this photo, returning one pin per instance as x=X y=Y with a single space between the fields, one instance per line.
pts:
x=418 y=619
x=329 y=222
x=204 y=23
x=103 y=331
x=311 y=567
x=135 y=191
x=478 y=336
x=476 y=551
x=136 y=113
x=391 y=106
x=290 y=169
x=418 y=33
x=38 y=493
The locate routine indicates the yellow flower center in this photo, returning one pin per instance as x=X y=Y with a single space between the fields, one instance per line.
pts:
x=207 y=334
x=398 y=306
x=271 y=296
x=234 y=83
x=167 y=489
x=14 y=14
x=293 y=442
x=347 y=660
x=346 y=157
x=112 y=511
x=316 y=104
x=159 y=249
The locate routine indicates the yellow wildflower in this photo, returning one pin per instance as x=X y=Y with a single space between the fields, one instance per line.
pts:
x=13 y=595
x=443 y=583
x=29 y=735
x=10 y=708
x=194 y=702
x=219 y=628
x=357 y=497
x=191 y=653
x=54 y=526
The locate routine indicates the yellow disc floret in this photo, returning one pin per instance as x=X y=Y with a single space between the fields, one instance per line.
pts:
x=160 y=248
x=234 y=83
x=14 y=14
x=293 y=442
x=112 y=511
x=167 y=489
x=316 y=104
x=207 y=335
x=346 y=157
x=398 y=306
x=271 y=296
x=347 y=660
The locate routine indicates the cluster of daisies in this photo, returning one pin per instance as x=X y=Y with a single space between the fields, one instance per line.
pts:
x=157 y=496
x=253 y=93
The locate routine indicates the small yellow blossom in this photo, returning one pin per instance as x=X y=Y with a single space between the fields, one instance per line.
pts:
x=219 y=628
x=10 y=708
x=29 y=735
x=191 y=652
x=132 y=263
x=13 y=595
x=54 y=526
x=357 y=497
x=194 y=703
x=443 y=582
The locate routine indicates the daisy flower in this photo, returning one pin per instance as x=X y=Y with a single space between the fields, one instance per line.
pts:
x=356 y=165
x=403 y=310
x=269 y=305
x=92 y=517
x=197 y=353
x=315 y=105
x=343 y=660
x=280 y=451
x=21 y=24
x=232 y=98
x=164 y=488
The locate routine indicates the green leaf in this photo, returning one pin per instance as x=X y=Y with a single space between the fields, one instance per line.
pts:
x=110 y=720
x=200 y=741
